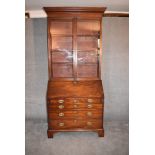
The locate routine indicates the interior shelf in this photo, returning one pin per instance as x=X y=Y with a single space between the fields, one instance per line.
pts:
x=78 y=35
x=61 y=35
x=88 y=35
x=88 y=63
x=55 y=50
x=68 y=63
x=96 y=50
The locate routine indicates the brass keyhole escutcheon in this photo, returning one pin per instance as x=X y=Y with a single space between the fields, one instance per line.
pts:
x=75 y=101
x=61 y=124
x=61 y=106
x=90 y=105
x=75 y=106
x=89 y=123
x=89 y=113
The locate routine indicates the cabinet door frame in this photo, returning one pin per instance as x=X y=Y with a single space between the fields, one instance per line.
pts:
x=74 y=48
x=50 y=66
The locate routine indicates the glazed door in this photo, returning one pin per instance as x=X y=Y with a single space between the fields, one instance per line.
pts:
x=61 y=48
x=88 y=35
x=74 y=49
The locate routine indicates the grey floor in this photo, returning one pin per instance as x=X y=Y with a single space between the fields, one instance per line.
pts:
x=115 y=142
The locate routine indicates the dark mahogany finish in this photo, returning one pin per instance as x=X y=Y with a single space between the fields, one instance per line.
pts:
x=75 y=98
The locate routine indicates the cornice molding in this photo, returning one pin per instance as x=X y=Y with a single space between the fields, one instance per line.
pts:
x=116 y=14
x=42 y=14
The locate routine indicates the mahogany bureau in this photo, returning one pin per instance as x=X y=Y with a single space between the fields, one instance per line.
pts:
x=75 y=97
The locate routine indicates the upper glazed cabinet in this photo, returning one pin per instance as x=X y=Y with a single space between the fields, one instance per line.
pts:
x=74 y=43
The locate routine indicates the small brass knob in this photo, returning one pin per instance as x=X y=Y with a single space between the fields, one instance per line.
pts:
x=90 y=100
x=61 y=124
x=89 y=113
x=89 y=123
x=90 y=105
x=61 y=114
x=75 y=106
x=61 y=106
x=60 y=101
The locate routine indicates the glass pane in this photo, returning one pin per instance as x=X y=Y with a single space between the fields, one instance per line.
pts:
x=87 y=57
x=62 y=43
x=87 y=70
x=62 y=56
x=87 y=43
x=62 y=70
x=88 y=27
x=61 y=27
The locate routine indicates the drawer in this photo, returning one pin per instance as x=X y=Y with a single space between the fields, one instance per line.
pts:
x=75 y=100
x=75 y=124
x=75 y=114
x=74 y=106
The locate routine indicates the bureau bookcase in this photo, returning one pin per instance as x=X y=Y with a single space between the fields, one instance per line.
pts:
x=75 y=97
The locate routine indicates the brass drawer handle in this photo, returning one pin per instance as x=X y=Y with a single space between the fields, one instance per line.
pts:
x=61 y=114
x=61 y=106
x=90 y=100
x=89 y=113
x=75 y=106
x=61 y=124
x=60 y=101
x=89 y=123
x=90 y=105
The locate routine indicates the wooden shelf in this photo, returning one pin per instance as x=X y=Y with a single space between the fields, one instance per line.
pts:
x=88 y=63
x=61 y=63
x=60 y=51
x=77 y=50
x=78 y=63
x=78 y=35
x=88 y=50
x=88 y=35
x=61 y=35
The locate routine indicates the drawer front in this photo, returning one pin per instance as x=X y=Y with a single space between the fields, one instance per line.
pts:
x=75 y=124
x=74 y=106
x=75 y=114
x=74 y=100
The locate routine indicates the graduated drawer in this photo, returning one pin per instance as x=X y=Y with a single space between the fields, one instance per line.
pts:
x=75 y=124
x=74 y=100
x=75 y=114
x=74 y=106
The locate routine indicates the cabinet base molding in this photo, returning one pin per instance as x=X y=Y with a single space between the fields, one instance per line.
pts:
x=50 y=132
